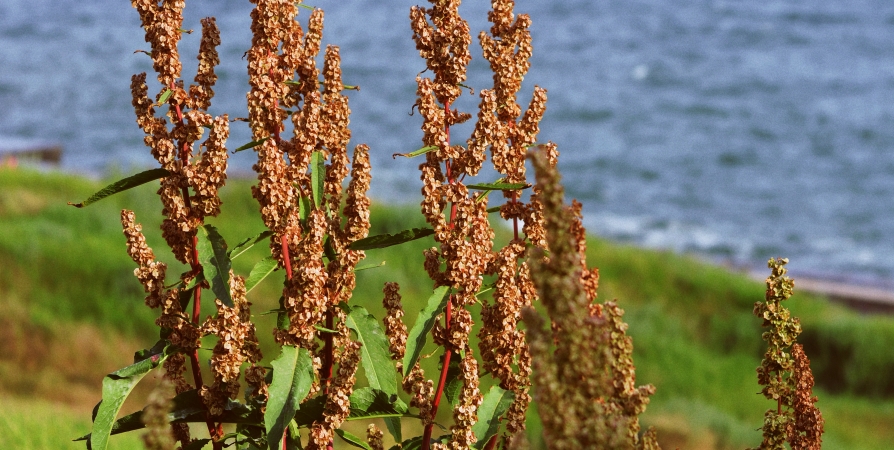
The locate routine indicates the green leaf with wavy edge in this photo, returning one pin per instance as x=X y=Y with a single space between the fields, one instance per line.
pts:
x=375 y=355
x=317 y=177
x=424 y=323
x=498 y=186
x=352 y=440
x=215 y=262
x=496 y=402
x=123 y=185
x=389 y=240
x=260 y=271
x=293 y=374
x=251 y=144
x=116 y=386
x=245 y=245
x=416 y=153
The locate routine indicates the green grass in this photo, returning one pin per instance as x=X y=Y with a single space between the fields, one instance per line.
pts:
x=64 y=271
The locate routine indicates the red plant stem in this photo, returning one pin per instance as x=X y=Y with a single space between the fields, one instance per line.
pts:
x=492 y=443
x=426 y=437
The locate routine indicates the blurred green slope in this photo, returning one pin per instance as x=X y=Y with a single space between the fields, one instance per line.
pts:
x=74 y=312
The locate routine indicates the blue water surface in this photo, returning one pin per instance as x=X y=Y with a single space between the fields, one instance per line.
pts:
x=736 y=130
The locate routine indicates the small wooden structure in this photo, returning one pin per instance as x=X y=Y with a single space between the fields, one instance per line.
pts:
x=16 y=150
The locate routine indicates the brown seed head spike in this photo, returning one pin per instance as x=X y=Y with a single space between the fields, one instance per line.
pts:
x=151 y=273
x=201 y=93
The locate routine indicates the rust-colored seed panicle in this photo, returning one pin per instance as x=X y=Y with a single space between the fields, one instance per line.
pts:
x=465 y=412
x=236 y=344
x=200 y=94
x=807 y=430
x=162 y=22
x=374 y=437
x=395 y=328
x=338 y=402
x=151 y=273
x=421 y=392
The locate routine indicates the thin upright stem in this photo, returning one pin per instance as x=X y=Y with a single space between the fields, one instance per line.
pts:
x=426 y=437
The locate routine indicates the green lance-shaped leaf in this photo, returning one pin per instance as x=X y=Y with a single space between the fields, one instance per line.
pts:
x=251 y=144
x=116 y=386
x=388 y=240
x=260 y=271
x=317 y=176
x=375 y=356
x=352 y=440
x=424 y=323
x=243 y=246
x=394 y=428
x=496 y=402
x=293 y=374
x=188 y=407
x=416 y=153
x=498 y=186
x=215 y=262
x=123 y=185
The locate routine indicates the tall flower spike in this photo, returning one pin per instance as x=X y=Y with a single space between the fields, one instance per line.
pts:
x=338 y=403
x=200 y=94
x=151 y=273
x=395 y=328
x=807 y=430
x=589 y=409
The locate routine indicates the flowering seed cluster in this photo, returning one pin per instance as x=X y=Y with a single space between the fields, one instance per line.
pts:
x=301 y=227
x=591 y=407
x=338 y=403
x=374 y=437
x=236 y=345
x=187 y=110
x=421 y=392
x=465 y=412
x=785 y=372
x=151 y=273
x=395 y=328
x=806 y=430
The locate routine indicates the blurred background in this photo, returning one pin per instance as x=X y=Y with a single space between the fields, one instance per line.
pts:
x=738 y=130
x=733 y=131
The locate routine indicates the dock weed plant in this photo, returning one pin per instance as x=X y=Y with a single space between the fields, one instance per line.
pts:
x=542 y=334
x=785 y=372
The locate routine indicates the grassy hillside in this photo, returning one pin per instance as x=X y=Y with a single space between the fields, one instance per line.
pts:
x=74 y=312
